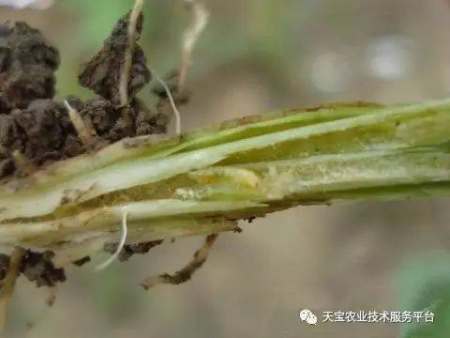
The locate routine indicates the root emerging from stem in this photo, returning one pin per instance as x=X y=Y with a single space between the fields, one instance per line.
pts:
x=186 y=273
x=120 y=246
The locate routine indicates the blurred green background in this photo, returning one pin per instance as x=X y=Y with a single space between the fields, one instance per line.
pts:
x=258 y=56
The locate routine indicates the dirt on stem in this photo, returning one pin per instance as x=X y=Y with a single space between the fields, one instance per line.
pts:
x=36 y=130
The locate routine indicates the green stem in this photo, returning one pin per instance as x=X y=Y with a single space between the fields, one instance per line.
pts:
x=205 y=181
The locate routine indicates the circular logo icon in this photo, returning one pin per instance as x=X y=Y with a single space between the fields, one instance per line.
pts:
x=308 y=317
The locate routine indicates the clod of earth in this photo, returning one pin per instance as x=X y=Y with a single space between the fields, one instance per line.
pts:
x=27 y=66
x=38 y=128
x=102 y=73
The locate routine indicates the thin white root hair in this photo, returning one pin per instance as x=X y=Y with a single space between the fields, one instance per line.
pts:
x=122 y=241
x=86 y=134
x=9 y=283
x=185 y=274
x=128 y=58
x=200 y=16
x=175 y=110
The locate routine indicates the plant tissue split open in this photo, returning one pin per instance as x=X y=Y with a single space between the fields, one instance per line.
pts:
x=197 y=183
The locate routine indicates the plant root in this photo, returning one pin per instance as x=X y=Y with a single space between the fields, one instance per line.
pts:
x=199 y=21
x=120 y=246
x=169 y=95
x=128 y=57
x=174 y=94
x=186 y=273
x=86 y=133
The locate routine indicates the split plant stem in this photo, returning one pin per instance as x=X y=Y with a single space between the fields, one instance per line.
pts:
x=204 y=182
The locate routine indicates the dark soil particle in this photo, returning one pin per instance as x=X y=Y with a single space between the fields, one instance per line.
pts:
x=38 y=268
x=42 y=133
x=82 y=261
x=30 y=121
x=149 y=122
x=45 y=128
x=4 y=264
x=27 y=66
x=132 y=249
x=39 y=128
x=7 y=167
x=5 y=105
x=102 y=73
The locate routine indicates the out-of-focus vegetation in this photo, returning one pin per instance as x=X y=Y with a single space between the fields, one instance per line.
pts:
x=424 y=285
